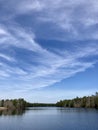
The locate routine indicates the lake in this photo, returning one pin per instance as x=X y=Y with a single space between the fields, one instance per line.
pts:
x=50 y=118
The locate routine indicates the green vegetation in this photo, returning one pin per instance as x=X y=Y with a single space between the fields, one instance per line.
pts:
x=19 y=104
x=84 y=102
x=39 y=104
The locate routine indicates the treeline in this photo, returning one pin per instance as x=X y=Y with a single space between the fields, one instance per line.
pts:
x=39 y=104
x=19 y=104
x=84 y=102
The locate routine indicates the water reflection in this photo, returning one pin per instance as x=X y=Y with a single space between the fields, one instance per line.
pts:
x=49 y=118
x=63 y=110
x=12 y=112
x=46 y=110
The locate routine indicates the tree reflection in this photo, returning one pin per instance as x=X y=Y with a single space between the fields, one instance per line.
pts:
x=12 y=112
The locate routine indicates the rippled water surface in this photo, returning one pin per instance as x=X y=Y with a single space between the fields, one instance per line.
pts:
x=48 y=118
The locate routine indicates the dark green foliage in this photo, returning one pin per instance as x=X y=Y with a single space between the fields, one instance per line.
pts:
x=96 y=100
x=85 y=102
x=1 y=103
x=39 y=105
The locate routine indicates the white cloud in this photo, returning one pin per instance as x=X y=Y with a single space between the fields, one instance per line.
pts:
x=30 y=5
x=7 y=57
x=74 y=18
x=2 y=32
x=18 y=37
x=3 y=74
x=51 y=67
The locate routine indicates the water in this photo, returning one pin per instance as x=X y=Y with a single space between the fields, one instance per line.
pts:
x=50 y=119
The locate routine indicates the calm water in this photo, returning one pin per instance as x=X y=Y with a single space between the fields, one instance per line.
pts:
x=50 y=119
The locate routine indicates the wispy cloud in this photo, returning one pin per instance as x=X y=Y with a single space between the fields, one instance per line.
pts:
x=73 y=20
x=50 y=67
x=76 y=20
x=7 y=57
x=26 y=63
x=27 y=6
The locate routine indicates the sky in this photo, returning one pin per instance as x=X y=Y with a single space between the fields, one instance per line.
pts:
x=48 y=49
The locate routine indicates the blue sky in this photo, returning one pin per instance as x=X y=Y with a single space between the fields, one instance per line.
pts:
x=48 y=49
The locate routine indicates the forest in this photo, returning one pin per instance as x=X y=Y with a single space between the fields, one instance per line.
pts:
x=40 y=104
x=78 y=102
x=19 y=104
x=84 y=102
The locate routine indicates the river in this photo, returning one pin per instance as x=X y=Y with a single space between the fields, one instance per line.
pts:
x=50 y=118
